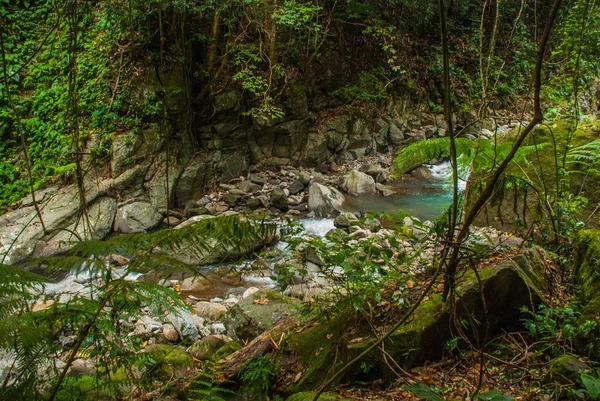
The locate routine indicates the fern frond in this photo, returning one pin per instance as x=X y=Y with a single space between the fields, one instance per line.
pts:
x=422 y=152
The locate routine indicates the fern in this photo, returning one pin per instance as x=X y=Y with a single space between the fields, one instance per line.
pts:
x=587 y=155
x=422 y=152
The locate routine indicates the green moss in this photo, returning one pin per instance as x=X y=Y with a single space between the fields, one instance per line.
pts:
x=320 y=349
x=566 y=369
x=169 y=360
x=226 y=350
x=85 y=388
x=308 y=396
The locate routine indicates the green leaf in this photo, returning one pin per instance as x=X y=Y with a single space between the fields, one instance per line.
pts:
x=494 y=395
x=592 y=385
x=340 y=258
x=423 y=391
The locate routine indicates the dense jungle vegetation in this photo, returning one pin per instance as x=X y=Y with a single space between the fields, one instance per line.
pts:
x=513 y=90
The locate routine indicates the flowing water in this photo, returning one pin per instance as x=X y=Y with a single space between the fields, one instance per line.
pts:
x=420 y=198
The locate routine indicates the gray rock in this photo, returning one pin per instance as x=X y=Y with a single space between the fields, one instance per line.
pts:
x=210 y=310
x=248 y=319
x=377 y=172
x=253 y=203
x=249 y=187
x=345 y=220
x=296 y=186
x=304 y=178
x=257 y=179
x=195 y=284
x=385 y=189
x=357 y=183
x=422 y=173
x=279 y=199
x=184 y=323
x=195 y=177
x=136 y=217
x=324 y=201
x=169 y=333
x=231 y=199
x=123 y=148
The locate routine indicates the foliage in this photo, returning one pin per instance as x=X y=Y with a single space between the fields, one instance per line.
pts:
x=260 y=371
x=558 y=327
x=97 y=316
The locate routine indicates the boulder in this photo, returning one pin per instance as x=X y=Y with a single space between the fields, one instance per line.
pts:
x=587 y=266
x=136 y=217
x=377 y=172
x=249 y=187
x=231 y=199
x=324 y=201
x=296 y=186
x=566 y=369
x=196 y=284
x=386 y=190
x=184 y=323
x=123 y=148
x=170 y=361
x=257 y=313
x=279 y=199
x=422 y=173
x=169 y=333
x=507 y=287
x=357 y=183
x=345 y=220
x=206 y=347
x=210 y=310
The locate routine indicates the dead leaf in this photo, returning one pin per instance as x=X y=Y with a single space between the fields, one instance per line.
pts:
x=261 y=301
x=410 y=284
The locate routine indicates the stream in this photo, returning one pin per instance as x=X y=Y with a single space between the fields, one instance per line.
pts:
x=423 y=199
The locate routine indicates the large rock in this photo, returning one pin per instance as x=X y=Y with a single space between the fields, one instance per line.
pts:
x=324 y=201
x=183 y=322
x=507 y=287
x=206 y=347
x=195 y=177
x=136 y=217
x=210 y=310
x=587 y=268
x=257 y=313
x=123 y=148
x=357 y=183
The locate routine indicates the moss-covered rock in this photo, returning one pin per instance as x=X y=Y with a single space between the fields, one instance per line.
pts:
x=226 y=350
x=206 y=347
x=566 y=369
x=258 y=313
x=308 y=396
x=170 y=360
x=322 y=349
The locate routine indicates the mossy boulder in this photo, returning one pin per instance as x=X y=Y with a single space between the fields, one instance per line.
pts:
x=170 y=360
x=206 y=347
x=566 y=369
x=308 y=396
x=257 y=313
x=508 y=286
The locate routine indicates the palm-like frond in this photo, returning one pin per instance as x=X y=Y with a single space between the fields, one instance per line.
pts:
x=587 y=155
x=422 y=152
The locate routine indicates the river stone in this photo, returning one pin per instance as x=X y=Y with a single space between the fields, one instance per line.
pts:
x=377 y=172
x=257 y=179
x=210 y=310
x=136 y=217
x=279 y=199
x=231 y=199
x=422 y=173
x=345 y=220
x=324 y=201
x=184 y=323
x=357 y=183
x=257 y=313
x=304 y=178
x=248 y=187
x=385 y=190
x=253 y=203
x=169 y=333
x=196 y=284
x=206 y=347
x=296 y=186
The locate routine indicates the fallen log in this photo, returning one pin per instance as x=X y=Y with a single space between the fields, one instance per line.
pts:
x=231 y=365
